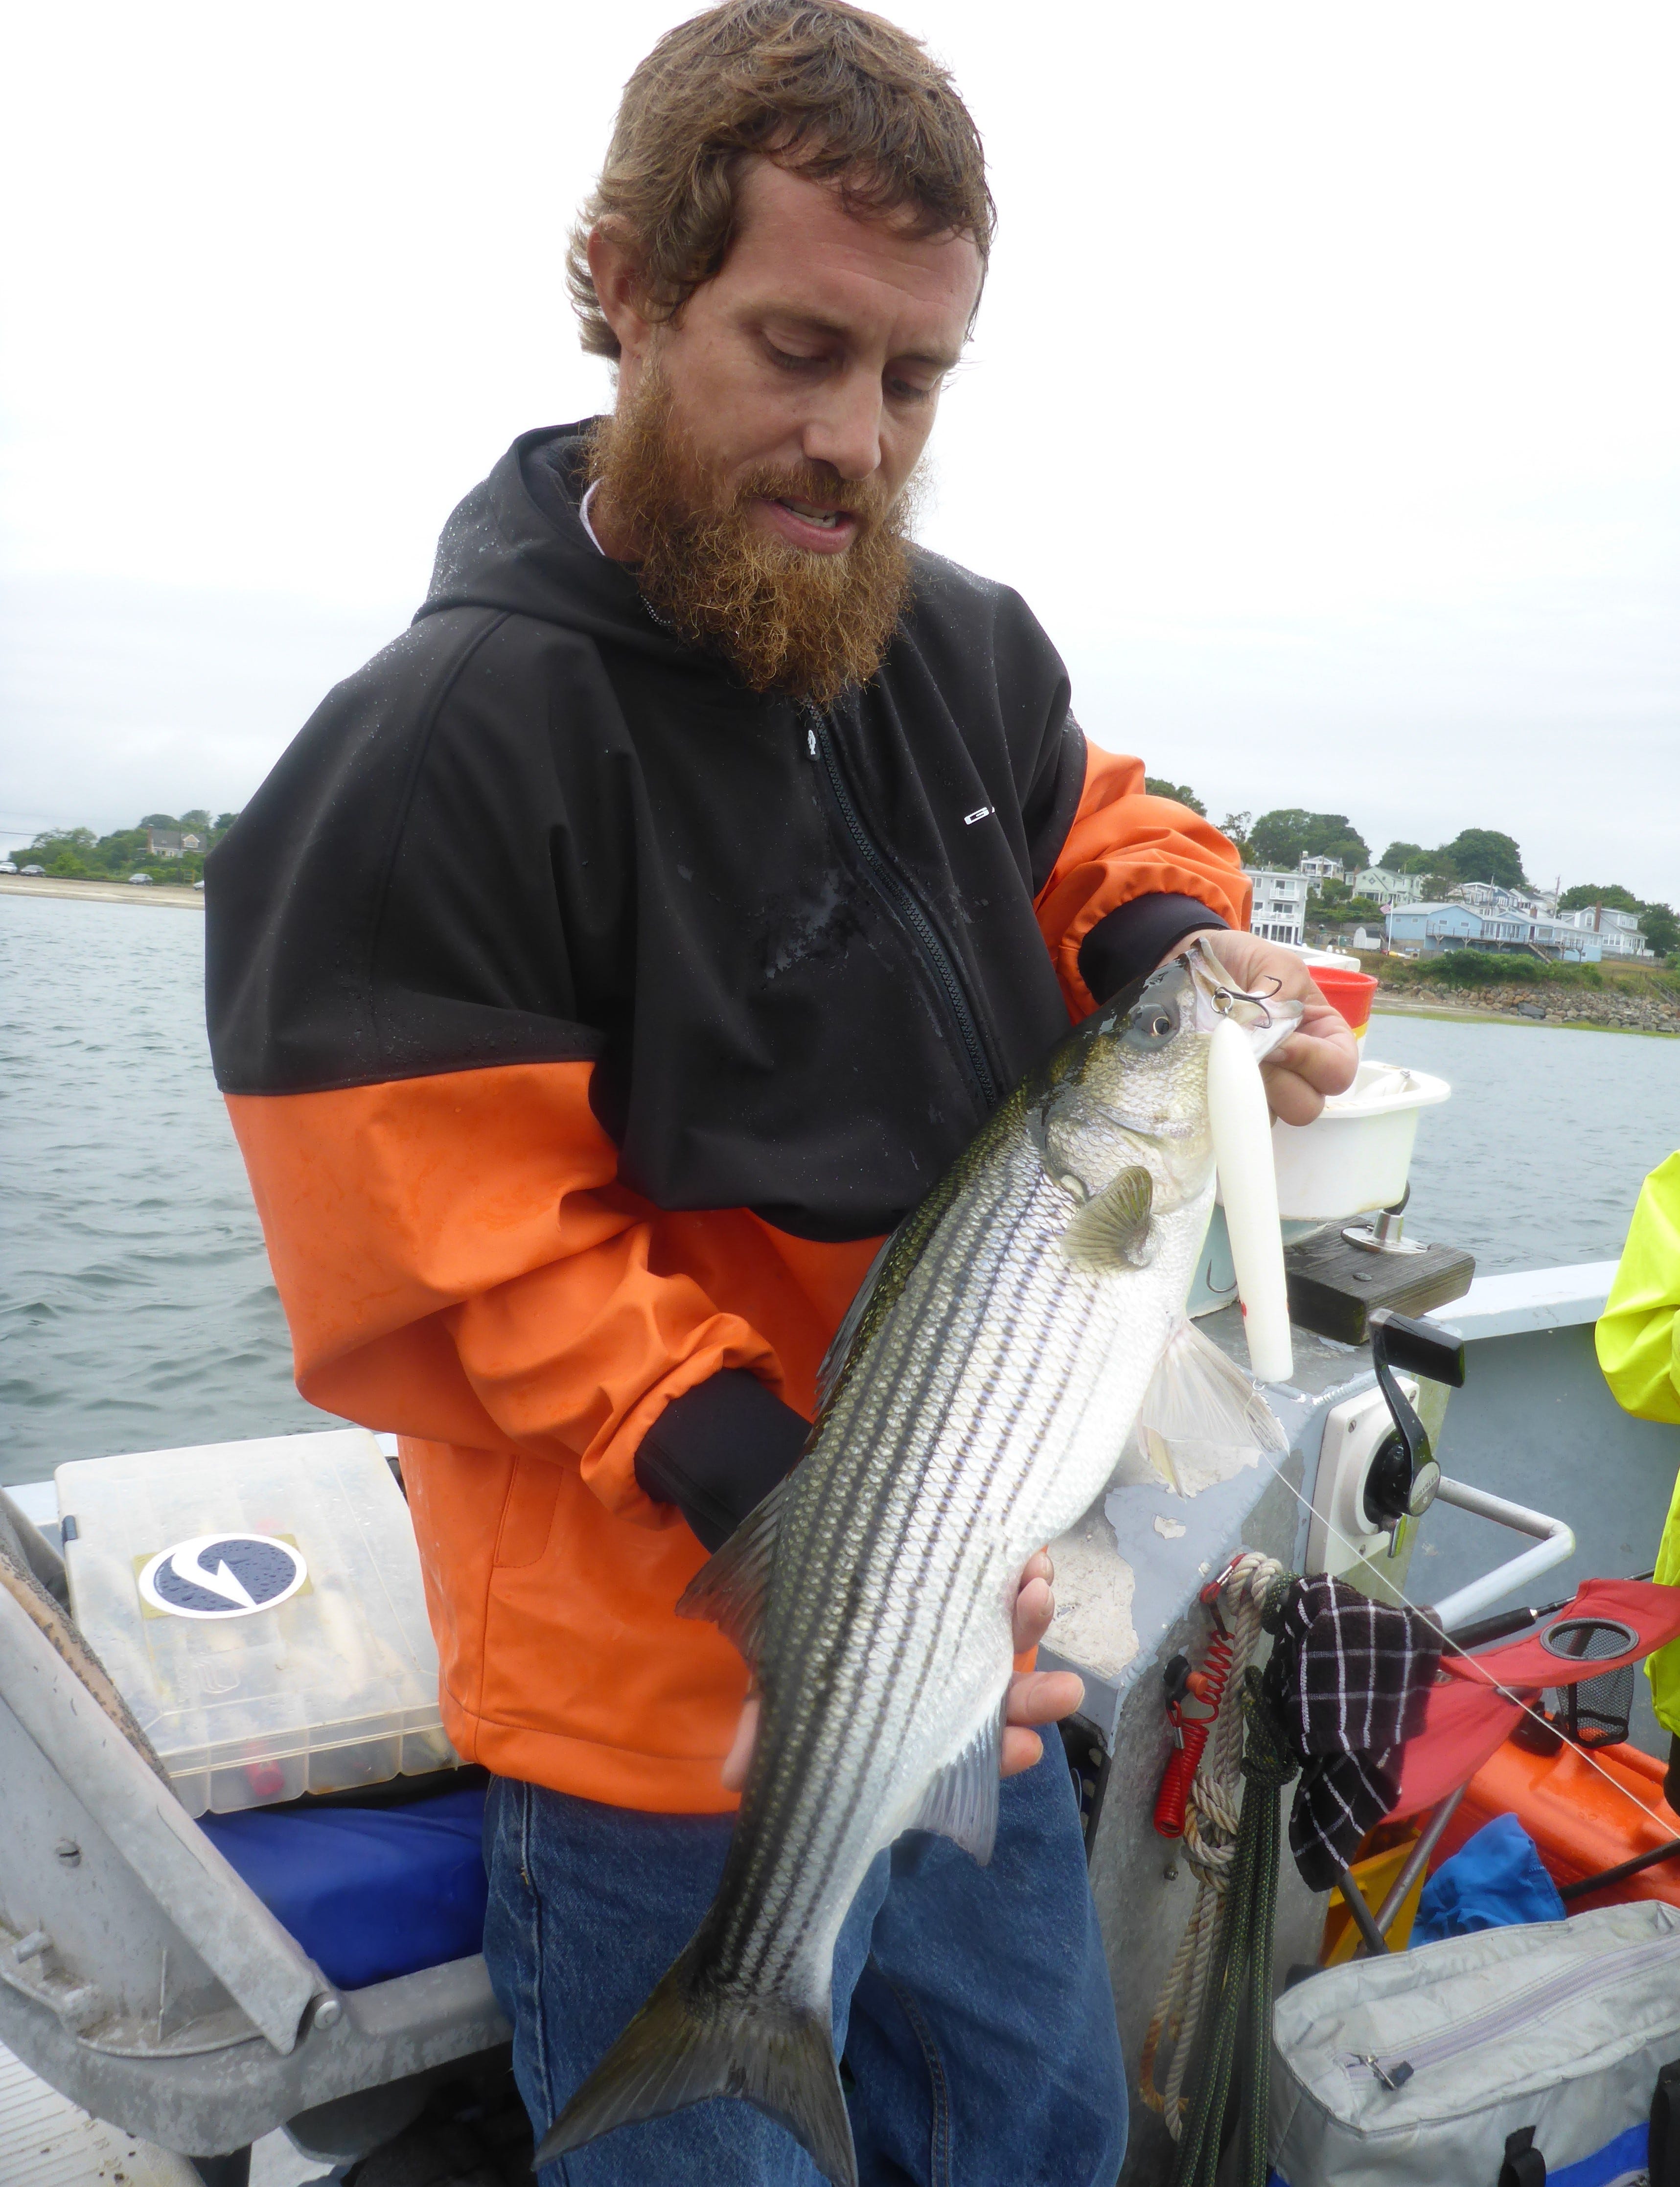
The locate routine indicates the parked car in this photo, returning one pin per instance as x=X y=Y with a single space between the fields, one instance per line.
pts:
x=198 y=885
x=8 y=866
x=40 y=872
x=139 y=881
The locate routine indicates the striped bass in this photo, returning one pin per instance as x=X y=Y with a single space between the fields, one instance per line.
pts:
x=1013 y=1333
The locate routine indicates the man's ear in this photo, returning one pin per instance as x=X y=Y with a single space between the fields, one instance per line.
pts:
x=616 y=272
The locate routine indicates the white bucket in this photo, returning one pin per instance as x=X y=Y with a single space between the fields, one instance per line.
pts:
x=1357 y=1155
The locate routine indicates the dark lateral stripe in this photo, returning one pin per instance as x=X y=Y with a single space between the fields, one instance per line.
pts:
x=875 y=1393
x=812 y=1553
x=868 y=1477
x=865 y=1736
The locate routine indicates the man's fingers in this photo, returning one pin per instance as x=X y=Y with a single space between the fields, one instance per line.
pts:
x=737 y=1760
x=1043 y=1696
x=1035 y=1607
x=1035 y=1697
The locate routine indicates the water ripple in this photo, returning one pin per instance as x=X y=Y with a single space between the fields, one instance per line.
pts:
x=136 y=1309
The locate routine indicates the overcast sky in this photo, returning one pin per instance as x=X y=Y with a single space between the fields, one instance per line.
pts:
x=1322 y=404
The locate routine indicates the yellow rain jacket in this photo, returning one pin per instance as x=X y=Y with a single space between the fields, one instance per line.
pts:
x=1639 y=1345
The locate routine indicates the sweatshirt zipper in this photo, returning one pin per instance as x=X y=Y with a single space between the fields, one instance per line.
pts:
x=1395 y=2071
x=821 y=742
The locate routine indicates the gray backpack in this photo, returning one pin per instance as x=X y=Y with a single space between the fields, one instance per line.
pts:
x=1505 y=2059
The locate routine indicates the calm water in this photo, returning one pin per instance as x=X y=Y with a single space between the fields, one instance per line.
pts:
x=135 y=1309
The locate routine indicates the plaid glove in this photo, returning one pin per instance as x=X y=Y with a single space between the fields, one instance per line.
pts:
x=1350 y=1680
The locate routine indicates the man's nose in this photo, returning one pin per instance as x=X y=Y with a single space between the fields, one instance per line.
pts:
x=846 y=431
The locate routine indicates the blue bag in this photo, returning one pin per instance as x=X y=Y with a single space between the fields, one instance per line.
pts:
x=1493 y=1881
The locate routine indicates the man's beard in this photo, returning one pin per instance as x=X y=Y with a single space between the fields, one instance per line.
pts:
x=786 y=618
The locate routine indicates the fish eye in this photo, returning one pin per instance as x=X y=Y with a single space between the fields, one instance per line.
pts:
x=1153 y=1023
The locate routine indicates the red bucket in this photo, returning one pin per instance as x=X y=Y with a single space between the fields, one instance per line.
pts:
x=1352 y=992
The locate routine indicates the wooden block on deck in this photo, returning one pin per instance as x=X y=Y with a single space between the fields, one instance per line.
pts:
x=1334 y=1287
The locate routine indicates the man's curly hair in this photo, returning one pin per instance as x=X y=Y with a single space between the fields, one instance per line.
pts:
x=826 y=90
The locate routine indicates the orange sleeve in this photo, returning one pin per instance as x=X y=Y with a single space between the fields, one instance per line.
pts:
x=458 y=1264
x=1124 y=843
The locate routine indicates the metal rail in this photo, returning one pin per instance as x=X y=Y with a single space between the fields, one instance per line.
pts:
x=1554 y=1545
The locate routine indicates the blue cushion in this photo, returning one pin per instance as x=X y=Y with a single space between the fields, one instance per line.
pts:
x=369 y=1892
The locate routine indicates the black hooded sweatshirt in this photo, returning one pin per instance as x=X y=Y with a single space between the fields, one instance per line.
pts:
x=793 y=956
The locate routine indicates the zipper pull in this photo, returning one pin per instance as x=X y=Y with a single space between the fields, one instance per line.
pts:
x=1391 y=2077
x=811 y=742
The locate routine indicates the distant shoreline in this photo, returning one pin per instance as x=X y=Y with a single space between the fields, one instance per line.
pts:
x=1470 y=1013
x=160 y=892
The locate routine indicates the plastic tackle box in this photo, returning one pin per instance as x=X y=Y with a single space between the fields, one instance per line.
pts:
x=259 y=1606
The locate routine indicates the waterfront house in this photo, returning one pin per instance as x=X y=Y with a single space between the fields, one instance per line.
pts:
x=1384 y=887
x=1425 y=930
x=1616 y=931
x=173 y=842
x=1279 y=913
x=1316 y=871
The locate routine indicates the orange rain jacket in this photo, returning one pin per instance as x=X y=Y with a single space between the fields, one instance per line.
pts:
x=585 y=1019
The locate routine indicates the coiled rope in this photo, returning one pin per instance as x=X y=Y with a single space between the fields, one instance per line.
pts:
x=1213 y=1817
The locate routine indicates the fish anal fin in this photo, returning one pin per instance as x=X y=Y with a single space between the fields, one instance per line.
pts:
x=1112 y=1230
x=961 y=1803
x=1199 y=1406
x=689 y=2043
x=728 y=1590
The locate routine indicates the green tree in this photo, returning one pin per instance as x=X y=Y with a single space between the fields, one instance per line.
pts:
x=1589 y=892
x=1285 y=837
x=159 y=820
x=1399 y=857
x=224 y=822
x=1483 y=854
x=1661 y=928
x=1235 y=827
x=1180 y=792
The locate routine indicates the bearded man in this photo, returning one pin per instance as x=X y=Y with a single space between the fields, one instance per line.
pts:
x=601 y=974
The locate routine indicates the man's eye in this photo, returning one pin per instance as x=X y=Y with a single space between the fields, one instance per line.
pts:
x=788 y=360
x=906 y=390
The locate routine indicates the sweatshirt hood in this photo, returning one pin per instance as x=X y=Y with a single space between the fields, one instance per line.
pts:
x=517 y=545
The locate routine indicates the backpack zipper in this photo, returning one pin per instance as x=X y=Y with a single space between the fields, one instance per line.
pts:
x=820 y=743
x=1394 y=2071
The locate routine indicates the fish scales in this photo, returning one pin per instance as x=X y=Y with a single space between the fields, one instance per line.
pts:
x=990 y=1375
x=911 y=1439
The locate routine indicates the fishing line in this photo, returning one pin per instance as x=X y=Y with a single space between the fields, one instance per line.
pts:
x=1406 y=1603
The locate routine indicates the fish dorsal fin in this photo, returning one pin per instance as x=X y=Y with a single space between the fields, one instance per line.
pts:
x=961 y=1802
x=1112 y=1231
x=1199 y=1403
x=728 y=1590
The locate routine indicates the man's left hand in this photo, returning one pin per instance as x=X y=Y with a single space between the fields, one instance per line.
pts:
x=1321 y=1056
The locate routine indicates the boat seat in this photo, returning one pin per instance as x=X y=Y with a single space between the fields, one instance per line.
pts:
x=143 y=1977
x=370 y=1893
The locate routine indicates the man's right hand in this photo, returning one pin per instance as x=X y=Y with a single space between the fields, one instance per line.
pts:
x=1036 y=1697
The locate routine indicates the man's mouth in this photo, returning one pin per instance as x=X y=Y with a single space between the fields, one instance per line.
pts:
x=828 y=518
x=817 y=526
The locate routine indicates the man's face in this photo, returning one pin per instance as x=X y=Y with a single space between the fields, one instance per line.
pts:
x=756 y=464
x=824 y=340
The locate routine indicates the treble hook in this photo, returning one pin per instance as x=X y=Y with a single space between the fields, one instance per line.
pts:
x=1225 y=1000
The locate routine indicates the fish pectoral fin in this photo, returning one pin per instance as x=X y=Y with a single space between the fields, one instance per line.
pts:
x=728 y=1590
x=1198 y=1400
x=687 y=2044
x=961 y=1803
x=1112 y=1231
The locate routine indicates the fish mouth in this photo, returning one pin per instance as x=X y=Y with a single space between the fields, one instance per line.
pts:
x=1267 y=1018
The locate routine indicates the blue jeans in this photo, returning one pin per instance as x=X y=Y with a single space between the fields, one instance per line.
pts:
x=972 y=2007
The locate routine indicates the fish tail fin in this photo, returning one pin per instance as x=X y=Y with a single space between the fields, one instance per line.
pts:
x=684 y=2046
